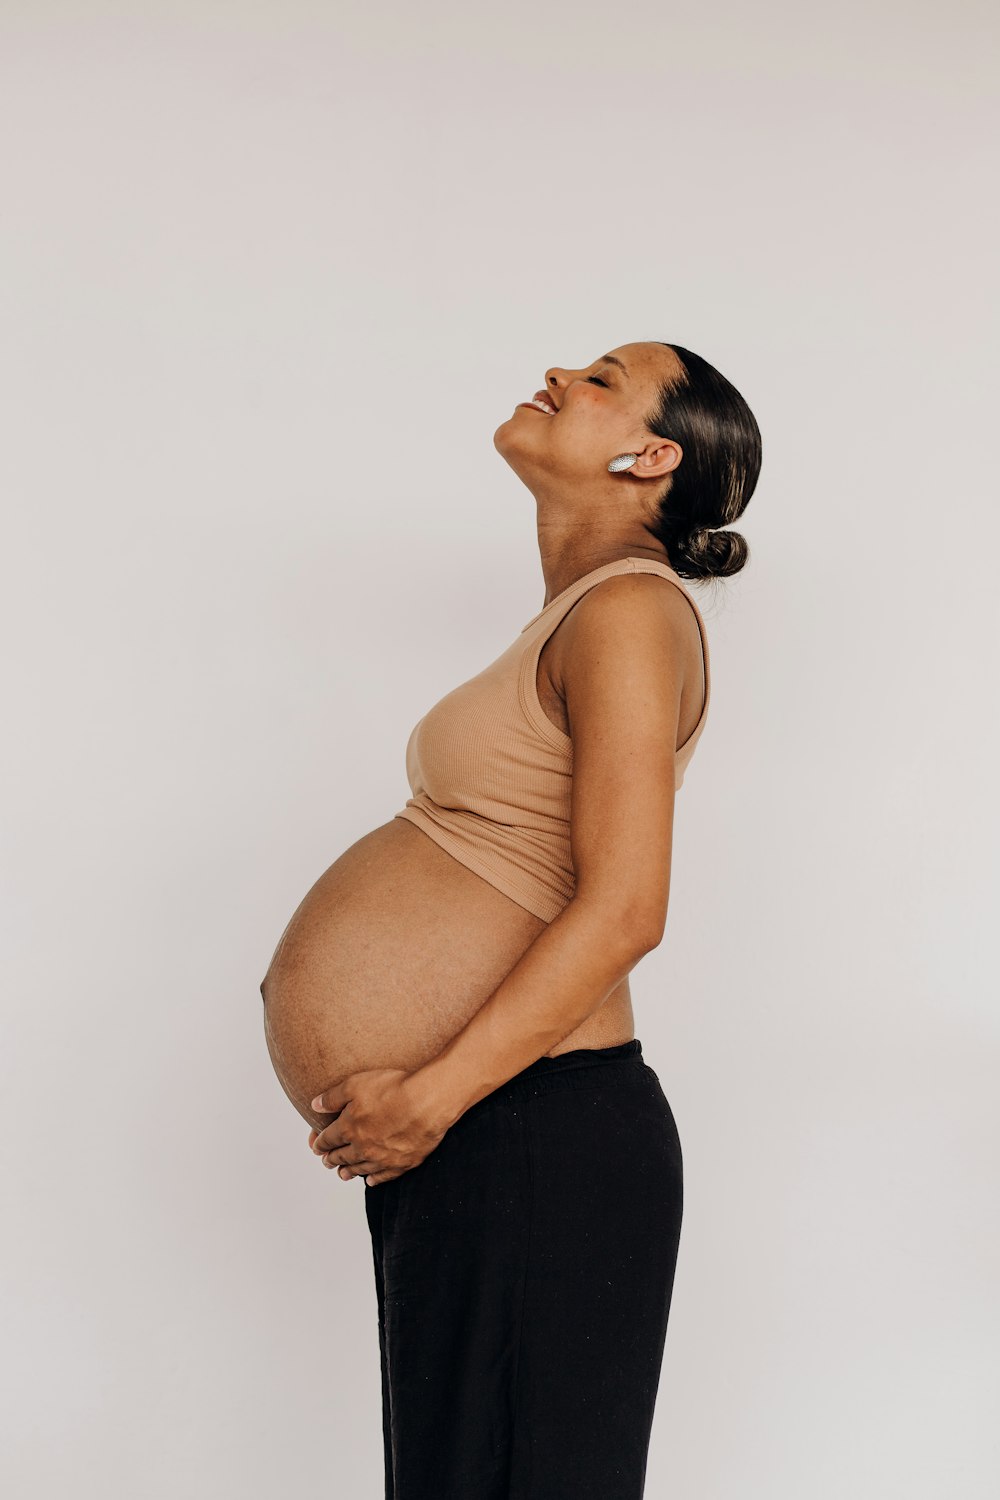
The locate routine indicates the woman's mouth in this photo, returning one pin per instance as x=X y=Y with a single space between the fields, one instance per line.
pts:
x=538 y=406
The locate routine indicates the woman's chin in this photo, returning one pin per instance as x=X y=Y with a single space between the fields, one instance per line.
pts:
x=510 y=446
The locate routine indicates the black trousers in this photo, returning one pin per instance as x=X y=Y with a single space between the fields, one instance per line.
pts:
x=524 y=1272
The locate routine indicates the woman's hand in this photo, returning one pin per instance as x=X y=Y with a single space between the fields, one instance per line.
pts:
x=382 y=1128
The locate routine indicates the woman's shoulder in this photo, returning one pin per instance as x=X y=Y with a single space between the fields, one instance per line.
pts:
x=630 y=614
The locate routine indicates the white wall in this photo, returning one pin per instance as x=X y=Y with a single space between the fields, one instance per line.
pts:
x=272 y=275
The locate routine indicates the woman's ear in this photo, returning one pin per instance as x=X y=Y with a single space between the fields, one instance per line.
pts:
x=660 y=457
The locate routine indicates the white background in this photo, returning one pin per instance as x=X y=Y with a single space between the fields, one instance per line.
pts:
x=272 y=275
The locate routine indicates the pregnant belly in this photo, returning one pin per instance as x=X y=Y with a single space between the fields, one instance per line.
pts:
x=388 y=955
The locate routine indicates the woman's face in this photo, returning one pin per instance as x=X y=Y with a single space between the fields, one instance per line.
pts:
x=599 y=412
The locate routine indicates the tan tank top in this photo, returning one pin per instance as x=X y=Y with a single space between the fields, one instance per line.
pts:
x=491 y=775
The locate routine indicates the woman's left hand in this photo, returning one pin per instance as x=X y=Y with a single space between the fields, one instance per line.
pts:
x=382 y=1127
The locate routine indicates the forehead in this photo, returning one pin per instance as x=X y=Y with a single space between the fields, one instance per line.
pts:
x=645 y=359
x=646 y=365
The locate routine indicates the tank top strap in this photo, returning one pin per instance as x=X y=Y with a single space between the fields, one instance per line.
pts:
x=557 y=607
x=550 y=615
x=650 y=565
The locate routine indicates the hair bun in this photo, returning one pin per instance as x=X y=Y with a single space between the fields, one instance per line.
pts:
x=709 y=552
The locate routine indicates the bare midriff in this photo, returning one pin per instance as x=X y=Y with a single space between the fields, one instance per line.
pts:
x=392 y=952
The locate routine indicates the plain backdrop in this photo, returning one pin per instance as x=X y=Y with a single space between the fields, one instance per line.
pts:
x=272 y=274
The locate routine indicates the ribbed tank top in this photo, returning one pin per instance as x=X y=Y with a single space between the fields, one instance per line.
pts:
x=491 y=776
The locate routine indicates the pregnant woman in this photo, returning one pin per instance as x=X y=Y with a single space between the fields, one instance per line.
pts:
x=449 y=1005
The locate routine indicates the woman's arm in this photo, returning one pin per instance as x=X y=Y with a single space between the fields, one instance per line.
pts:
x=623 y=655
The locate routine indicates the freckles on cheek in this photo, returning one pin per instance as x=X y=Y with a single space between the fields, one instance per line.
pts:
x=586 y=409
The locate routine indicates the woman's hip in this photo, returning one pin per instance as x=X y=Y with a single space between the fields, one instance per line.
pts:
x=584 y=1133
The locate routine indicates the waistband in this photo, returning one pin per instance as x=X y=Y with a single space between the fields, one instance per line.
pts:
x=535 y=1077
x=580 y=1057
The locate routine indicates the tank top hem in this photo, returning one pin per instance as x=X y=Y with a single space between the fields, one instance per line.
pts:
x=538 y=902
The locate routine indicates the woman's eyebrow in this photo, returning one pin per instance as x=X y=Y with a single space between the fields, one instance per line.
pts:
x=612 y=360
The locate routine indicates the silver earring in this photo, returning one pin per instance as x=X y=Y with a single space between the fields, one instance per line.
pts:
x=623 y=461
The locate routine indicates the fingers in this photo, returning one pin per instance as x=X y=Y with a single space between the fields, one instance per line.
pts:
x=329 y=1159
x=355 y=1168
x=332 y=1101
x=331 y=1154
x=331 y=1138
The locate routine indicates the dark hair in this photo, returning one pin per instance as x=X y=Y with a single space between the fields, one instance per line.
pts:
x=709 y=419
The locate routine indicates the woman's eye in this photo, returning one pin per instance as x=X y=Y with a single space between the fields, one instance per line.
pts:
x=597 y=381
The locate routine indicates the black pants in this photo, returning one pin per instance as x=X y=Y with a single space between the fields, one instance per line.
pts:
x=524 y=1272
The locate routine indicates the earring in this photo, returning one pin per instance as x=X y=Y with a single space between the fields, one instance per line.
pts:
x=623 y=461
